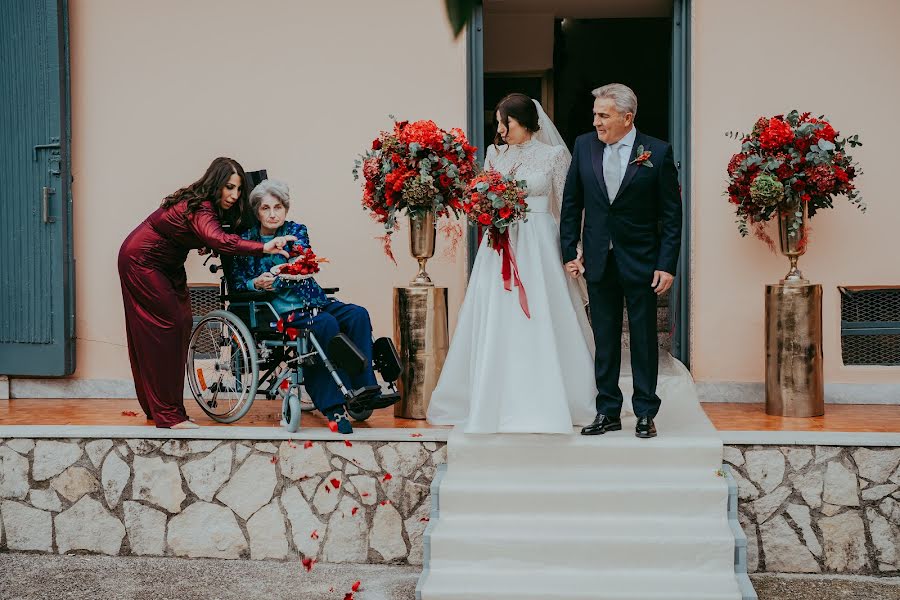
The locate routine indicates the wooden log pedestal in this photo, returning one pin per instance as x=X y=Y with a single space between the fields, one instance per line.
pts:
x=421 y=334
x=794 y=375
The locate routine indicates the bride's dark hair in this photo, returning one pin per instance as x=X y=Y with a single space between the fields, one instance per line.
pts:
x=521 y=108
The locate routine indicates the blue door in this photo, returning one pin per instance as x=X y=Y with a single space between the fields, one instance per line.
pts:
x=36 y=276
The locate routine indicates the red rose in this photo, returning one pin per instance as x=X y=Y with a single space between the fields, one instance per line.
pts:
x=505 y=212
x=445 y=181
x=776 y=134
x=376 y=145
x=484 y=219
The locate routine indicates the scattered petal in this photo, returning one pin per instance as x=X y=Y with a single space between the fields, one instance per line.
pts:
x=348 y=443
x=387 y=477
x=335 y=482
x=274 y=460
x=308 y=445
x=327 y=489
x=332 y=426
x=314 y=535
x=385 y=502
x=365 y=494
x=415 y=435
x=308 y=564
x=355 y=586
x=353 y=512
x=129 y=413
x=348 y=596
x=291 y=444
x=424 y=520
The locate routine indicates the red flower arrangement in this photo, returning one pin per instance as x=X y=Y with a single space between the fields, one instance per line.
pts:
x=304 y=263
x=786 y=162
x=496 y=201
x=416 y=168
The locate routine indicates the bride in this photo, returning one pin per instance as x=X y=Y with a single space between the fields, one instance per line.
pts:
x=506 y=372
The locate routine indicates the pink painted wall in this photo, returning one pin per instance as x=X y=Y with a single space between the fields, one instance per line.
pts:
x=763 y=58
x=160 y=88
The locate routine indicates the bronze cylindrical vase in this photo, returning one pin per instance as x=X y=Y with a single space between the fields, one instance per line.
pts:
x=421 y=334
x=792 y=239
x=795 y=384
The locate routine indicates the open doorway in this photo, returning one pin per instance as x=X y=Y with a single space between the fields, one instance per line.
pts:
x=557 y=51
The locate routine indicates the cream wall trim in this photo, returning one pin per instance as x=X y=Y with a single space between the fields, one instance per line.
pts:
x=835 y=393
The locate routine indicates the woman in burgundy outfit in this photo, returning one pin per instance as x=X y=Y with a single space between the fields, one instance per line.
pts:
x=154 y=284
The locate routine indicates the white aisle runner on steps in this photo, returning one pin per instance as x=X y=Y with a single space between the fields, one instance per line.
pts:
x=609 y=517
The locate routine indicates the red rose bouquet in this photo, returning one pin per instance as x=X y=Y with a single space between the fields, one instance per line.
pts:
x=417 y=168
x=786 y=164
x=496 y=201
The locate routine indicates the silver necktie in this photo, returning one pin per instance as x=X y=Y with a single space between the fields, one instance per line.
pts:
x=612 y=171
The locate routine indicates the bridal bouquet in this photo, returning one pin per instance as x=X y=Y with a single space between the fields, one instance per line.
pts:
x=496 y=201
x=417 y=168
x=787 y=162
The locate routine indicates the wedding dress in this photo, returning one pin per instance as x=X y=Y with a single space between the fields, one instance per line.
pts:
x=506 y=372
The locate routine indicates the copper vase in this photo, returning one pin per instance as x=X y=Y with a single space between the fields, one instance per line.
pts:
x=421 y=244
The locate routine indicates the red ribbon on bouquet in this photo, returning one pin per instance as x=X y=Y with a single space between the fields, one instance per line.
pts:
x=509 y=268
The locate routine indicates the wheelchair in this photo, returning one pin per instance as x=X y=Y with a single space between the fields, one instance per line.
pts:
x=241 y=352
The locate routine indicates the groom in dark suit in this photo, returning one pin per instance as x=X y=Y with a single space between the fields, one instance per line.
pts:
x=625 y=184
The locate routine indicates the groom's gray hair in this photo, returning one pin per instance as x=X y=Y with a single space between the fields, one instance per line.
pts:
x=621 y=94
x=270 y=187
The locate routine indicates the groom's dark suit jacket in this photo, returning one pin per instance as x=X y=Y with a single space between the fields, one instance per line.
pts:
x=647 y=196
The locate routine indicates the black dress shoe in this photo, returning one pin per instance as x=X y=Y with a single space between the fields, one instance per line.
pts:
x=601 y=424
x=645 y=428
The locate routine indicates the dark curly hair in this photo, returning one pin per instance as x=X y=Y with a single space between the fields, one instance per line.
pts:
x=209 y=187
x=521 y=108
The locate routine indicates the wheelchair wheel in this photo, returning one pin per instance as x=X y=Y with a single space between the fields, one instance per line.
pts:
x=222 y=366
x=290 y=413
x=359 y=415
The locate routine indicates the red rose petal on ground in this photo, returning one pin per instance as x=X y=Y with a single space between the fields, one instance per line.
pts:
x=365 y=494
x=353 y=512
x=332 y=426
x=415 y=435
x=308 y=445
x=292 y=444
x=355 y=586
x=348 y=443
x=387 y=477
x=314 y=535
x=348 y=596
x=274 y=460
x=335 y=482
x=327 y=489
x=308 y=564
x=129 y=413
x=385 y=502
x=424 y=520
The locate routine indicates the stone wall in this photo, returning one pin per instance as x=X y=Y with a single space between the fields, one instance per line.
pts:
x=819 y=509
x=360 y=502
x=805 y=509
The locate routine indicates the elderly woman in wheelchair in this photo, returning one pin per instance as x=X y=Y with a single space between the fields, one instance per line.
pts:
x=294 y=330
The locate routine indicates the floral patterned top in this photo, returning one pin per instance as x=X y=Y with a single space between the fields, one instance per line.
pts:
x=291 y=295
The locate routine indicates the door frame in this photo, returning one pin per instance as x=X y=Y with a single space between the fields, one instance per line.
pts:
x=680 y=107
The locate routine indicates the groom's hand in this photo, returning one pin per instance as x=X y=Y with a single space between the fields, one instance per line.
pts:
x=662 y=281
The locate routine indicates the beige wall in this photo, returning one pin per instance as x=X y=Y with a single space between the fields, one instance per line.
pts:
x=762 y=58
x=504 y=50
x=161 y=88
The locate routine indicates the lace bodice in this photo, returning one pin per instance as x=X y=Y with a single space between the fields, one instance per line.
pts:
x=543 y=167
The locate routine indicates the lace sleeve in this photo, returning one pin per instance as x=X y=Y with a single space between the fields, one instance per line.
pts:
x=559 y=168
x=490 y=158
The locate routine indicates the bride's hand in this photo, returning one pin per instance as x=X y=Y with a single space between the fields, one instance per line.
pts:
x=276 y=245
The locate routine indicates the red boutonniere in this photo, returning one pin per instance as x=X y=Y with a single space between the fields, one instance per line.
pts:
x=643 y=158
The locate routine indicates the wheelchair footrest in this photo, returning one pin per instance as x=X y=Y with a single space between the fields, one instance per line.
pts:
x=371 y=398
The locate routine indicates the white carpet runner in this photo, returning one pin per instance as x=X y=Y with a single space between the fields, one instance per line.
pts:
x=609 y=517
